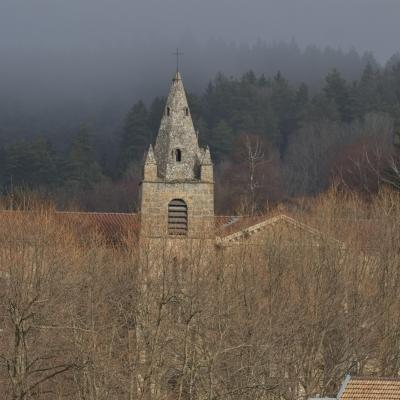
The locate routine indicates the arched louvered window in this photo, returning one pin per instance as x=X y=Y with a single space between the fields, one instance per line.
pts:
x=168 y=111
x=177 y=218
x=187 y=111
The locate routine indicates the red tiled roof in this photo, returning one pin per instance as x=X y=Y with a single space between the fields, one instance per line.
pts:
x=113 y=227
x=370 y=388
x=117 y=226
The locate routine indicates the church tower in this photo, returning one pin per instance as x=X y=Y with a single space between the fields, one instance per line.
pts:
x=177 y=190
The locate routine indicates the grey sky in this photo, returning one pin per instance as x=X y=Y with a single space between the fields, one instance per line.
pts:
x=91 y=24
x=80 y=60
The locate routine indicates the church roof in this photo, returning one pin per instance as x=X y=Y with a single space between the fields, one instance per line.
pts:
x=176 y=133
x=177 y=76
x=113 y=227
x=233 y=229
x=117 y=226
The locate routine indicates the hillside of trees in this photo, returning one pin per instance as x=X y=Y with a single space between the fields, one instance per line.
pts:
x=284 y=318
x=52 y=92
x=289 y=139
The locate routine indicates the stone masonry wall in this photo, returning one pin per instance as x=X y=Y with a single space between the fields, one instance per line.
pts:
x=199 y=197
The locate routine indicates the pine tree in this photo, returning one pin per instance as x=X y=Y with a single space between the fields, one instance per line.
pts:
x=83 y=169
x=336 y=90
x=32 y=164
x=45 y=163
x=302 y=99
x=221 y=141
x=136 y=137
x=204 y=133
x=283 y=104
x=3 y=163
x=155 y=113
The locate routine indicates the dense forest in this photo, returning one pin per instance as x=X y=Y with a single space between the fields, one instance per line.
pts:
x=271 y=138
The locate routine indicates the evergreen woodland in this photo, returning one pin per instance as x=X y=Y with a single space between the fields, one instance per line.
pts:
x=305 y=138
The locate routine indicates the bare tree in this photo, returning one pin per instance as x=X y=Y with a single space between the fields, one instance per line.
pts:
x=32 y=258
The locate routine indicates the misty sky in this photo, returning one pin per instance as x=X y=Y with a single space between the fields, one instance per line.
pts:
x=90 y=24
x=70 y=56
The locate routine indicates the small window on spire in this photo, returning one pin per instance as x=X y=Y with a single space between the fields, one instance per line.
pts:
x=178 y=155
x=168 y=111
x=187 y=111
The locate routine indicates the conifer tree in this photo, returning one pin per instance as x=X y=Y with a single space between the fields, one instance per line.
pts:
x=84 y=170
x=283 y=104
x=136 y=136
x=155 y=113
x=337 y=91
x=221 y=140
x=32 y=164
x=368 y=96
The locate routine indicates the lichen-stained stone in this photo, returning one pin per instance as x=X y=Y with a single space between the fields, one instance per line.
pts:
x=177 y=137
x=150 y=165
x=177 y=191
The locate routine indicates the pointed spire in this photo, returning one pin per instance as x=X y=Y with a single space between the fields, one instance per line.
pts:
x=176 y=100
x=177 y=136
x=177 y=76
x=206 y=157
x=150 y=159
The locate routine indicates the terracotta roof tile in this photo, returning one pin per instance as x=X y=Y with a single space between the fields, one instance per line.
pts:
x=114 y=227
x=370 y=388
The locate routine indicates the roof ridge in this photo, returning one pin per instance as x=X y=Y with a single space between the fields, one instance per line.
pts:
x=94 y=212
x=69 y=212
x=377 y=378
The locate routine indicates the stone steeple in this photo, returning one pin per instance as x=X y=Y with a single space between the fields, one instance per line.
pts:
x=177 y=190
x=206 y=157
x=150 y=159
x=150 y=165
x=177 y=151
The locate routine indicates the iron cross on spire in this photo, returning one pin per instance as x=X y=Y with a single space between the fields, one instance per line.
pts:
x=177 y=54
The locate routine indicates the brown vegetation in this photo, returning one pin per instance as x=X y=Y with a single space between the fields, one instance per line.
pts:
x=81 y=319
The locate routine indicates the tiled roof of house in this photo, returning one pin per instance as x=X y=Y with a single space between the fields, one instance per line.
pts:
x=370 y=388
